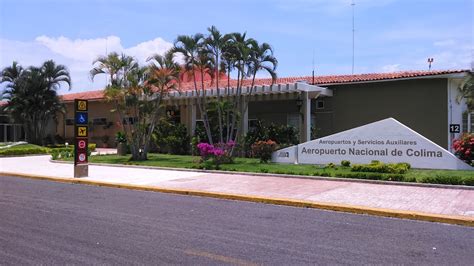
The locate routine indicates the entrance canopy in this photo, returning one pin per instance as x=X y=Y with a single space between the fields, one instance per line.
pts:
x=312 y=90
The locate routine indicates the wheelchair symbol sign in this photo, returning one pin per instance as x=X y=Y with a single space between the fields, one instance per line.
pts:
x=81 y=118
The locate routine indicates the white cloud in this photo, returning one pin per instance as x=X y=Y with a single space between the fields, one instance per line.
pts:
x=144 y=50
x=76 y=54
x=446 y=56
x=80 y=49
x=391 y=68
x=449 y=59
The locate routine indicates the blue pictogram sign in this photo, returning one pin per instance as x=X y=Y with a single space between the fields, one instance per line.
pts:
x=81 y=118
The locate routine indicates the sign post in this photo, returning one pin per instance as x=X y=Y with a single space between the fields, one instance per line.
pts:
x=81 y=133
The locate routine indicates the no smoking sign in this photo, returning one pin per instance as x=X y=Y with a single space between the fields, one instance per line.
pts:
x=82 y=157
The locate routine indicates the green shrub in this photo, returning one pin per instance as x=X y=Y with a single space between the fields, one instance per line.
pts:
x=283 y=135
x=171 y=138
x=69 y=150
x=66 y=154
x=24 y=149
x=120 y=137
x=208 y=165
x=448 y=180
x=345 y=163
x=372 y=176
x=263 y=170
x=54 y=154
x=379 y=167
x=407 y=165
x=92 y=146
x=263 y=150
x=468 y=180
x=464 y=148
x=330 y=165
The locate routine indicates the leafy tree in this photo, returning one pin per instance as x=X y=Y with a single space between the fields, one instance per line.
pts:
x=467 y=91
x=138 y=94
x=32 y=96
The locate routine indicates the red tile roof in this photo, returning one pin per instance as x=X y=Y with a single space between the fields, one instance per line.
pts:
x=87 y=95
x=318 y=80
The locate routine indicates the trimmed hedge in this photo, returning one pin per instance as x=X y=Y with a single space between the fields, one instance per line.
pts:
x=66 y=152
x=24 y=149
x=62 y=147
x=448 y=180
x=379 y=167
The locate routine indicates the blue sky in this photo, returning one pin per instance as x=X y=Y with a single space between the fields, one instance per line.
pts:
x=391 y=35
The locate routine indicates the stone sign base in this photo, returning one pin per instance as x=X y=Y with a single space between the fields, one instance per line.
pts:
x=81 y=170
x=387 y=140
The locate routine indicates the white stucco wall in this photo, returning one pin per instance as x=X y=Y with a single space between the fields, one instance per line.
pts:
x=455 y=108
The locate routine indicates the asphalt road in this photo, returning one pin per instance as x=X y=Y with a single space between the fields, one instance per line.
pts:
x=54 y=223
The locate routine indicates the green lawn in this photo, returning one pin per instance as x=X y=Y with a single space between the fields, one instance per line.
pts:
x=254 y=165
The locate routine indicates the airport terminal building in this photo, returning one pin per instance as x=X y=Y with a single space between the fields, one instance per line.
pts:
x=426 y=101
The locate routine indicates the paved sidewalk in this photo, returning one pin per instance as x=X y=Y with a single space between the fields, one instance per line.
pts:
x=442 y=201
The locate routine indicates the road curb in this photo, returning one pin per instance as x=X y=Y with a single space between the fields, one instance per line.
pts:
x=335 y=179
x=411 y=215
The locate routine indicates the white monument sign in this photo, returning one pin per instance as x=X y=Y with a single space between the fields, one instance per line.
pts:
x=387 y=140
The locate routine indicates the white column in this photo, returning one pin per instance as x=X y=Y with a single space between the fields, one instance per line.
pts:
x=469 y=123
x=191 y=118
x=244 y=119
x=305 y=129
x=15 y=138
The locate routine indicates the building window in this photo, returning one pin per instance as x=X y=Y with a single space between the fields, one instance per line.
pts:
x=293 y=120
x=319 y=104
x=4 y=119
x=99 y=121
x=466 y=118
x=130 y=120
x=253 y=123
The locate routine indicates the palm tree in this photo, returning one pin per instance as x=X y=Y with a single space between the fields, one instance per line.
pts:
x=216 y=43
x=56 y=74
x=162 y=78
x=261 y=59
x=239 y=50
x=12 y=73
x=126 y=83
x=32 y=96
x=116 y=67
x=197 y=58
